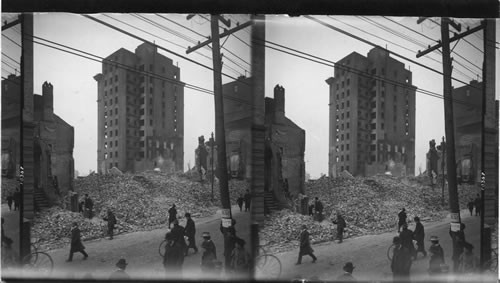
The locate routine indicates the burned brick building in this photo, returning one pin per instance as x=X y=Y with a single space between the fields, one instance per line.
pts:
x=53 y=140
x=372 y=116
x=140 y=112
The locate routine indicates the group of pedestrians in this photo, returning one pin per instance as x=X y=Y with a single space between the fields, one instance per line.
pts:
x=14 y=198
x=244 y=199
x=475 y=204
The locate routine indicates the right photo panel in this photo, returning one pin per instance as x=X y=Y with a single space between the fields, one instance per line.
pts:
x=380 y=148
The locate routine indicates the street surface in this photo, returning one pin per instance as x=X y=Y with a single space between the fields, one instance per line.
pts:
x=140 y=249
x=368 y=254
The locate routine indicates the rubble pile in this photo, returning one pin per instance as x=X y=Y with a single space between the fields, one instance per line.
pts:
x=369 y=205
x=8 y=187
x=139 y=202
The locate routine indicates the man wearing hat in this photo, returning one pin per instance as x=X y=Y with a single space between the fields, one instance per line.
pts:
x=401 y=261
x=419 y=236
x=437 y=256
x=173 y=253
x=209 y=255
x=340 y=226
x=190 y=232
x=305 y=246
x=401 y=218
x=406 y=237
x=178 y=239
x=347 y=276
x=120 y=273
x=76 y=243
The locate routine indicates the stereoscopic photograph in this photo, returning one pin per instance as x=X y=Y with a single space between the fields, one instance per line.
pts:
x=242 y=147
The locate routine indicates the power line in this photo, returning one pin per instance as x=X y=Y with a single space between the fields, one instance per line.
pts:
x=377 y=46
x=472 y=45
x=10 y=39
x=392 y=31
x=8 y=65
x=362 y=73
x=10 y=58
x=409 y=29
x=153 y=44
x=174 y=22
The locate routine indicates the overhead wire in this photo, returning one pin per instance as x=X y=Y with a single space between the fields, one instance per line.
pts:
x=7 y=56
x=378 y=46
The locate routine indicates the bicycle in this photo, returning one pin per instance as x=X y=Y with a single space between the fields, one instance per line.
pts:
x=161 y=248
x=267 y=264
x=37 y=261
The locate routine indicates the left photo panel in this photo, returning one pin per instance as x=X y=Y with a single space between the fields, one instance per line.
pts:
x=124 y=150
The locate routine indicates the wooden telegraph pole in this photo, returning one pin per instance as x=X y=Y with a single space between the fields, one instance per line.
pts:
x=220 y=134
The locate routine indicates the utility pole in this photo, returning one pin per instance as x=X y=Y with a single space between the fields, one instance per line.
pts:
x=220 y=134
x=449 y=131
x=443 y=150
x=489 y=145
x=212 y=161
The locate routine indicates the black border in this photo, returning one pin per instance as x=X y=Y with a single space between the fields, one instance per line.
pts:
x=447 y=8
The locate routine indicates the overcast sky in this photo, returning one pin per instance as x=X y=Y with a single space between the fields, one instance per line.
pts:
x=75 y=90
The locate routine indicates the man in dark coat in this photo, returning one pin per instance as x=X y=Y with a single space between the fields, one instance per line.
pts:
x=401 y=218
x=347 y=276
x=248 y=199
x=477 y=204
x=419 y=236
x=401 y=262
x=340 y=227
x=178 y=238
x=172 y=215
x=458 y=244
x=76 y=243
x=318 y=209
x=89 y=206
x=173 y=258
x=470 y=206
x=209 y=255
x=406 y=237
x=305 y=246
x=437 y=256
x=190 y=232
x=17 y=199
x=230 y=235
x=10 y=199
x=240 y=201
x=111 y=223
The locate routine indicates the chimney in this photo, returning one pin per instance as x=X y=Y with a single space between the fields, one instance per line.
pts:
x=48 y=100
x=279 y=101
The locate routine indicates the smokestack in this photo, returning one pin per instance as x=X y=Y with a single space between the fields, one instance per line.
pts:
x=48 y=100
x=279 y=101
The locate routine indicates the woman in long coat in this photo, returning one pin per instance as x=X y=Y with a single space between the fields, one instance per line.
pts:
x=305 y=245
x=76 y=243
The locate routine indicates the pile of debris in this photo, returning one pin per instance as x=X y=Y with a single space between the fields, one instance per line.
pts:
x=369 y=205
x=140 y=202
x=8 y=187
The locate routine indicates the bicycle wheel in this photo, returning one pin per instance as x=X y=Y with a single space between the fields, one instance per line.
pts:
x=161 y=248
x=390 y=251
x=268 y=266
x=33 y=251
x=39 y=263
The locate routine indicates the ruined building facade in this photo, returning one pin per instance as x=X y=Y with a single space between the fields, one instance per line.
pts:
x=53 y=141
x=140 y=112
x=372 y=116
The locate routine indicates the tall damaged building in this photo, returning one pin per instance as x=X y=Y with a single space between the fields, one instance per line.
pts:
x=53 y=141
x=372 y=116
x=140 y=112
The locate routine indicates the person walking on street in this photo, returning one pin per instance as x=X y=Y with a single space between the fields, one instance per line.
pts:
x=10 y=199
x=89 y=206
x=17 y=199
x=120 y=273
x=401 y=262
x=178 y=238
x=347 y=276
x=406 y=237
x=458 y=244
x=437 y=256
x=190 y=232
x=172 y=215
x=419 y=236
x=240 y=259
x=111 y=219
x=173 y=258
x=341 y=224
x=209 y=255
x=470 y=206
x=240 y=201
x=401 y=218
x=477 y=204
x=305 y=246
x=318 y=209
x=248 y=199
x=76 y=243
